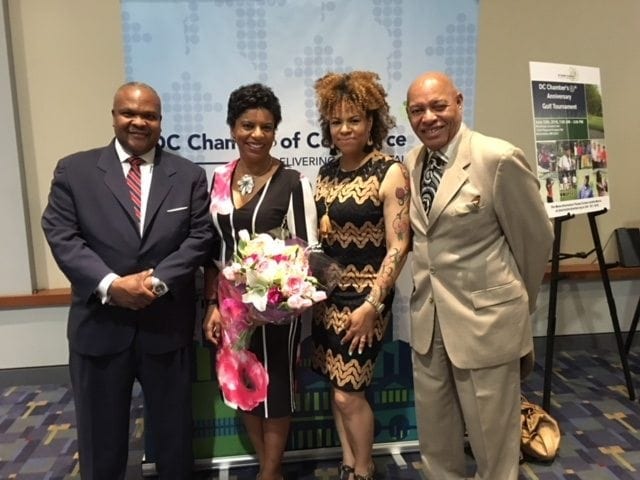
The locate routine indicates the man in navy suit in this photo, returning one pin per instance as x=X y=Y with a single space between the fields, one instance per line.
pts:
x=132 y=281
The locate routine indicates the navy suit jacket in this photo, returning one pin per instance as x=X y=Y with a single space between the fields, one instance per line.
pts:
x=91 y=229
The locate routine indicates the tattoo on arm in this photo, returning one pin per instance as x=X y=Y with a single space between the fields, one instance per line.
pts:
x=400 y=228
x=403 y=193
x=387 y=274
x=401 y=224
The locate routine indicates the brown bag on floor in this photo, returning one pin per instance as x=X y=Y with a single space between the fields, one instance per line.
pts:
x=540 y=436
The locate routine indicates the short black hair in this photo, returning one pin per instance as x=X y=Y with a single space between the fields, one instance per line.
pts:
x=252 y=96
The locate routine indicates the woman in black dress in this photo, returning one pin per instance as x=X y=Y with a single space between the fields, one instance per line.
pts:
x=362 y=198
x=258 y=194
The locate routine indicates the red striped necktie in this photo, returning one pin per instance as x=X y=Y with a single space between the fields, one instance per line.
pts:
x=135 y=186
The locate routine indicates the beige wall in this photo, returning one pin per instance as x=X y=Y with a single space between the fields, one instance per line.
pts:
x=68 y=60
x=595 y=33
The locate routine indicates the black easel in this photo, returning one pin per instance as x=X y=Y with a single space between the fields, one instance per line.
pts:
x=632 y=260
x=553 y=294
x=632 y=328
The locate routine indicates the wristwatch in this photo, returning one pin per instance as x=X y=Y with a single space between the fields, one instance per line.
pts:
x=158 y=287
x=379 y=306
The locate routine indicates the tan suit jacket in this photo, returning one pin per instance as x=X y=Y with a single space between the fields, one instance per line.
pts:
x=479 y=257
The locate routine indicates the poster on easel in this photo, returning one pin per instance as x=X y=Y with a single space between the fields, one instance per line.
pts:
x=571 y=151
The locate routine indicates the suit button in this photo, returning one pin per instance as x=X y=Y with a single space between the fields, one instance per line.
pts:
x=430 y=299
x=432 y=271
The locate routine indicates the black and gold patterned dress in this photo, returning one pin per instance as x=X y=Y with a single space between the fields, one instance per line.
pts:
x=357 y=241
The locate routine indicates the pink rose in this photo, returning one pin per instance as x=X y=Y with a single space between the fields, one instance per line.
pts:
x=275 y=297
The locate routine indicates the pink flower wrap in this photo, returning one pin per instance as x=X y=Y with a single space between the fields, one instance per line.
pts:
x=242 y=378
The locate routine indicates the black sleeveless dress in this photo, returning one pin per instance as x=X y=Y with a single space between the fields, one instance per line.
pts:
x=357 y=241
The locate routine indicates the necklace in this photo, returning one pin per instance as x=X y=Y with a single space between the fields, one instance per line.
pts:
x=358 y=164
x=247 y=182
x=325 y=228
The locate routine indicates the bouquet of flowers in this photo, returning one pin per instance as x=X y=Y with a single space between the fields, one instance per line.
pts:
x=269 y=280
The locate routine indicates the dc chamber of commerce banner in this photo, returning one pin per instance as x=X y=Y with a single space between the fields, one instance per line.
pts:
x=570 y=138
x=194 y=53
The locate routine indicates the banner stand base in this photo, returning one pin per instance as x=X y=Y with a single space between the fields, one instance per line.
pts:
x=223 y=464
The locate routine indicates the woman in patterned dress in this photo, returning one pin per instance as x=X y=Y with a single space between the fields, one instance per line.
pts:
x=257 y=193
x=362 y=198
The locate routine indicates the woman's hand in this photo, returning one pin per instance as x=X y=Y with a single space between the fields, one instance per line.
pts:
x=360 y=328
x=212 y=324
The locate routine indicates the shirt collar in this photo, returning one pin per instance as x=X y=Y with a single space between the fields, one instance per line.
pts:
x=450 y=150
x=124 y=156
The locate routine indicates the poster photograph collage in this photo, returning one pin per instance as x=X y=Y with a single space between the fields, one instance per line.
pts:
x=570 y=144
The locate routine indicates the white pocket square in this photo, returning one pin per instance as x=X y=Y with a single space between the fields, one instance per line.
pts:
x=472 y=206
x=171 y=210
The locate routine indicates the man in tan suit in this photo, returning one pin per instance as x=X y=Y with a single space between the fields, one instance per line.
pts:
x=474 y=205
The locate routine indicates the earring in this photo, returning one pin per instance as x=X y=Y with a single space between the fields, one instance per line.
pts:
x=369 y=142
x=333 y=151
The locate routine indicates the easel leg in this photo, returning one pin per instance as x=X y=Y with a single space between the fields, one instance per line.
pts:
x=610 y=301
x=632 y=329
x=551 y=319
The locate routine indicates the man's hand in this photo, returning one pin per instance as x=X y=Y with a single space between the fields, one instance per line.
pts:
x=147 y=282
x=132 y=291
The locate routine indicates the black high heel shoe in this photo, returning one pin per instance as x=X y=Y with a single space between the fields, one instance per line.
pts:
x=345 y=471
x=370 y=475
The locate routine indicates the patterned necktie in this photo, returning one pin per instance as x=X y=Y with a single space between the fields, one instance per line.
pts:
x=432 y=169
x=133 y=181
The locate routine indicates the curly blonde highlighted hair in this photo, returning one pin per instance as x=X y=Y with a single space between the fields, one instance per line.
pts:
x=363 y=91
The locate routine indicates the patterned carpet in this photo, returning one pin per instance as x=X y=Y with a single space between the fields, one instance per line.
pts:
x=600 y=427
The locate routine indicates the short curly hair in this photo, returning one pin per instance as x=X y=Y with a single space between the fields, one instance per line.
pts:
x=360 y=89
x=252 y=96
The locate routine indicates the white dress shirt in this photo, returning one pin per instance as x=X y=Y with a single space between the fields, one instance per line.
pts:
x=146 y=173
